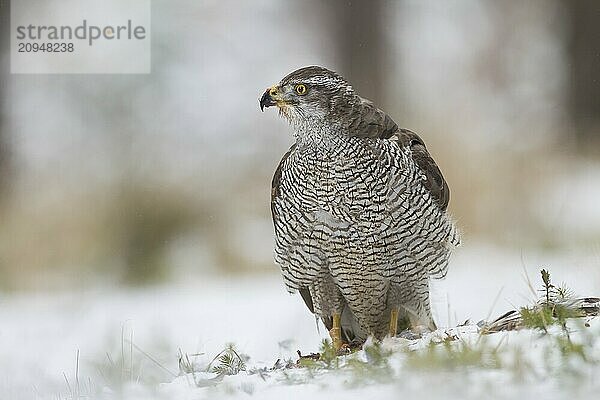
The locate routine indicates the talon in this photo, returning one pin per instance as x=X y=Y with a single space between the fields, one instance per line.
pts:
x=344 y=350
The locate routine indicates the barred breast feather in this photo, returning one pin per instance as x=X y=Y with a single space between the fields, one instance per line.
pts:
x=361 y=223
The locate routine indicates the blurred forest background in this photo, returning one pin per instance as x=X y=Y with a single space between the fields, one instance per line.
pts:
x=134 y=179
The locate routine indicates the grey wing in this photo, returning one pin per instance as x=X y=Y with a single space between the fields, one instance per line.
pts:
x=375 y=123
x=281 y=224
x=372 y=123
x=275 y=193
x=434 y=233
x=434 y=180
x=275 y=183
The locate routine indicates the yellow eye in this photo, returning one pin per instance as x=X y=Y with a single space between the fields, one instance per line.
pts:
x=301 y=89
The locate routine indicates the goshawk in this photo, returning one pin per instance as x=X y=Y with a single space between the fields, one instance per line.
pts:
x=359 y=209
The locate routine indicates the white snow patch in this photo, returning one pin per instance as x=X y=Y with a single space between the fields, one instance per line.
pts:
x=41 y=334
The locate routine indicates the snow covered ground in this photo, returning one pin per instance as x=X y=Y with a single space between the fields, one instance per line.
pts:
x=117 y=343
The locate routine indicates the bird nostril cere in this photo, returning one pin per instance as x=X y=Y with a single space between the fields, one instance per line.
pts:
x=273 y=92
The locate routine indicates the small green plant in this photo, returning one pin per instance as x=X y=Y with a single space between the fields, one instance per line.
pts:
x=539 y=318
x=329 y=355
x=228 y=362
x=554 y=308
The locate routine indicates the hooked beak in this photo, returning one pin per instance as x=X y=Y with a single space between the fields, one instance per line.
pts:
x=269 y=98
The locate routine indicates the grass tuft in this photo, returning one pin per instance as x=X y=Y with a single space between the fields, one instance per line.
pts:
x=228 y=362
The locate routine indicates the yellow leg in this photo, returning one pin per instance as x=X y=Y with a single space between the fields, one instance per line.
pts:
x=394 y=322
x=336 y=332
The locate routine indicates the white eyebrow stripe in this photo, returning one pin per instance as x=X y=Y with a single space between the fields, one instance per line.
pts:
x=325 y=81
x=332 y=82
x=321 y=79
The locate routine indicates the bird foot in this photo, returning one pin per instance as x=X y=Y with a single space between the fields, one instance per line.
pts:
x=336 y=338
x=336 y=332
x=393 y=322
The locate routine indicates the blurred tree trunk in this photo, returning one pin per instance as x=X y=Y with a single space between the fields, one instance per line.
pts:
x=4 y=74
x=361 y=43
x=584 y=63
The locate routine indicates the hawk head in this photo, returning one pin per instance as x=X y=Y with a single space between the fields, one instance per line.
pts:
x=309 y=93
